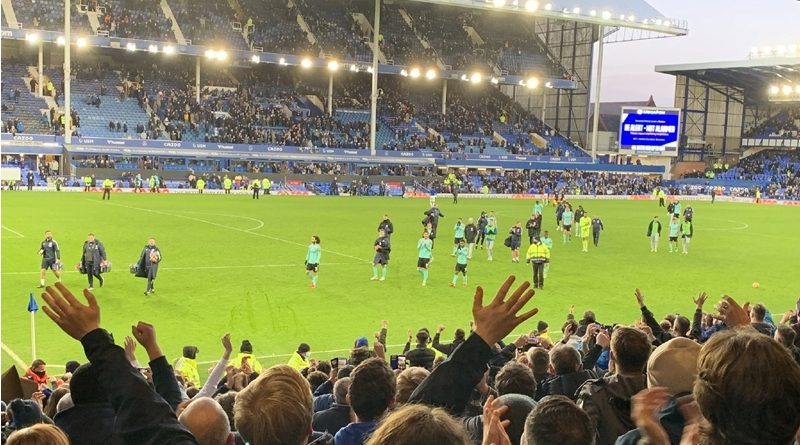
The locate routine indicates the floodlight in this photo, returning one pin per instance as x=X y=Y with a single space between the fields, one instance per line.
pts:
x=475 y=78
x=168 y=50
x=531 y=5
x=81 y=42
x=464 y=77
x=494 y=80
x=60 y=41
x=548 y=7
x=593 y=13
x=333 y=65
x=354 y=68
x=222 y=54
x=773 y=90
x=414 y=73
x=622 y=16
x=576 y=10
x=631 y=18
x=130 y=46
x=33 y=38
x=369 y=69
x=532 y=83
x=430 y=74
x=255 y=59
x=787 y=90
x=210 y=53
x=499 y=3
x=305 y=63
x=606 y=15
x=282 y=61
x=154 y=49
x=404 y=72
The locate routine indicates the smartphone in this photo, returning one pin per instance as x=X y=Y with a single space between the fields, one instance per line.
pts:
x=338 y=362
x=397 y=362
x=47 y=392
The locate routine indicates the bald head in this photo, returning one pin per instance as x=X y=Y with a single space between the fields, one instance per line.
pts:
x=207 y=422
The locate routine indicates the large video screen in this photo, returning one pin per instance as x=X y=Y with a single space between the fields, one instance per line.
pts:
x=649 y=131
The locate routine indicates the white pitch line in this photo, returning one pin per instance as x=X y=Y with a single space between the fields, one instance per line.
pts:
x=244 y=266
x=14 y=356
x=14 y=232
x=742 y=226
x=260 y=222
x=249 y=231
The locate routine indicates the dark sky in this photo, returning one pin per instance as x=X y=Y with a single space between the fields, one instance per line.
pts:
x=719 y=30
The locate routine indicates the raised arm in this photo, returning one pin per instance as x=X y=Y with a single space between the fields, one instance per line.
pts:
x=210 y=386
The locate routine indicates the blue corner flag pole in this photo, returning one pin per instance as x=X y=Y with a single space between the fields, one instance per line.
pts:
x=32 y=308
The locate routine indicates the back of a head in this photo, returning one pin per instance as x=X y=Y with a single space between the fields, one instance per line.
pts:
x=407 y=382
x=207 y=422
x=372 y=389
x=673 y=365
x=226 y=401
x=422 y=337
x=747 y=389
x=39 y=434
x=538 y=359
x=565 y=359
x=682 y=326
x=460 y=335
x=345 y=371
x=785 y=335
x=557 y=420
x=519 y=406
x=420 y=425
x=515 y=378
x=630 y=349
x=759 y=312
x=340 y=389
x=275 y=409
x=316 y=378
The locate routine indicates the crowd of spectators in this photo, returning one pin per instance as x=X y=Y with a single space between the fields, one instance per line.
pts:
x=141 y=19
x=784 y=125
x=588 y=380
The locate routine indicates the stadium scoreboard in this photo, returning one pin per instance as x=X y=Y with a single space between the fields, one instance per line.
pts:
x=649 y=131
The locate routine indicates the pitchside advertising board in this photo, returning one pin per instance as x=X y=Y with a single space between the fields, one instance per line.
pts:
x=649 y=131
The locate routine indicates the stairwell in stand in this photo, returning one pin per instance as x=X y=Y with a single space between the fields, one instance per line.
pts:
x=11 y=17
x=176 y=29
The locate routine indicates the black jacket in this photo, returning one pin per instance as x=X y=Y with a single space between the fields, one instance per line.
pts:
x=145 y=263
x=564 y=384
x=332 y=419
x=387 y=226
x=98 y=254
x=446 y=348
x=89 y=424
x=654 y=227
x=420 y=356
x=143 y=417
x=470 y=232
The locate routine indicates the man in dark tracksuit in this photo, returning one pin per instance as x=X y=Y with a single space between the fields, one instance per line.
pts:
x=533 y=225
x=597 y=227
x=470 y=234
x=421 y=355
x=51 y=255
x=433 y=216
x=94 y=255
x=30 y=180
x=386 y=225
x=482 y=223
x=148 y=264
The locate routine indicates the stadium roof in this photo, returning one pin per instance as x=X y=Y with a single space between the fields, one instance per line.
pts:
x=752 y=77
x=628 y=14
x=610 y=113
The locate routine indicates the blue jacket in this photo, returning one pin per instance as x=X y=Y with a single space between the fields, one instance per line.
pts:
x=355 y=433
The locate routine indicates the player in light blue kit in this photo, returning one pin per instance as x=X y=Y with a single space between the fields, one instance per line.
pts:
x=312 y=260
x=458 y=231
x=538 y=207
x=461 y=253
x=674 y=231
x=566 y=224
x=425 y=250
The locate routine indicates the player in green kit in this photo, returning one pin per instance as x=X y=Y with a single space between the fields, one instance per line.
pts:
x=491 y=234
x=547 y=241
x=458 y=231
x=674 y=231
x=312 y=260
x=586 y=231
x=566 y=224
x=424 y=249
x=382 y=248
x=460 y=252
x=687 y=230
x=538 y=207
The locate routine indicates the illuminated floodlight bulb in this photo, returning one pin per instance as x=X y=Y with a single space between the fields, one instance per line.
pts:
x=333 y=65
x=499 y=3
x=576 y=10
x=60 y=41
x=531 y=5
x=548 y=7
x=593 y=13
x=255 y=59
x=430 y=74
x=169 y=50
x=414 y=73
x=773 y=90
x=130 y=46
x=369 y=69
x=81 y=42
x=33 y=38
x=494 y=80
x=282 y=61
x=787 y=90
x=306 y=63
x=154 y=49
x=475 y=78
x=404 y=73
x=354 y=68
x=532 y=83
x=606 y=15
x=464 y=77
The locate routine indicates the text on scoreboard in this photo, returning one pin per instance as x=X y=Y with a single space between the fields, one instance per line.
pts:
x=653 y=131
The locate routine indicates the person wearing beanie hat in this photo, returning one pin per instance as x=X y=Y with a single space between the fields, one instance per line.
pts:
x=246 y=353
x=672 y=367
x=421 y=355
x=24 y=413
x=299 y=359
x=361 y=342
x=187 y=365
x=71 y=366
x=90 y=406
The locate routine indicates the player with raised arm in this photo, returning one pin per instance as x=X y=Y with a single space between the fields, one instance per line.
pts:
x=51 y=258
x=313 y=257
x=460 y=252
x=424 y=253
x=458 y=232
x=382 y=249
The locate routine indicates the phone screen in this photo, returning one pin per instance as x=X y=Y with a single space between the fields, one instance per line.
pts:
x=401 y=362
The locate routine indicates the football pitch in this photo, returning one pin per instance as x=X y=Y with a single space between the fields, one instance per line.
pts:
x=232 y=264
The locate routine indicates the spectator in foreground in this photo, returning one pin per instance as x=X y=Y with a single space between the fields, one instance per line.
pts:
x=41 y=434
x=408 y=381
x=90 y=406
x=419 y=424
x=371 y=394
x=545 y=425
x=207 y=422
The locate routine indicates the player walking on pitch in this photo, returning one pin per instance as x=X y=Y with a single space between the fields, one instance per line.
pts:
x=51 y=258
x=687 y=230
x=382 y=249
x=654 y=233
x=460 y=252
x=491 y=234
x=597 y=227
x=424 y=252
x=566 y=224
x=586 y=228
x=313 y=257
x=93 y=259
x=674 y=231
x=148 y=264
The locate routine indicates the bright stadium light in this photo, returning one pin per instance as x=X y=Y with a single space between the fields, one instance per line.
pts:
x=787 y=90
x=622 y=16
x=464 y=77
x=606 y=15
x=430 y=74
x=548 y=7
x=354 y=68
x=494 y=80
x=593 y=13
x=130 y=46
x=210 y=53
x=154 y=49
x=404 y=73
x=414 y=73
x=81 y=42
x=369 y=69
x=60 y=41
x=773 y=90
x=499 y=3
x=333 y=66
x=576 y=10
x=475 y=77
x=531 y=5
x=169 y=50
x=32 y=38
x=255 y=59
x=532 y=83
x=222 y=55
x=306 y=63
x=282 y=61
x=631 y=18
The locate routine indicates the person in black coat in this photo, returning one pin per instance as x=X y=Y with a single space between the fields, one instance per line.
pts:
x=93 y=258
x=148 y=264
x=386 y=225
x=421 y=355
x=91 y=407
x=337 y=416
x=447 y=348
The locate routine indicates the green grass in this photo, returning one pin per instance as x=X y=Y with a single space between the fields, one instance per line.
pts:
x=235 y=265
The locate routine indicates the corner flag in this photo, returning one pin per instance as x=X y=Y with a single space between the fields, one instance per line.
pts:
x=32 y=305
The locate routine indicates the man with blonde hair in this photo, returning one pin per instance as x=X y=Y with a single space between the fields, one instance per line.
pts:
x=275 y=409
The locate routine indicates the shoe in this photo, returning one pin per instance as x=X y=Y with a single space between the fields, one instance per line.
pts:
x=452 y=285
x=424 y=284
x=90 y=288
x=382 y=279
x=101 y=283
x=146 y=293
x=40 y=286
x=313 y=286
x=374 y=279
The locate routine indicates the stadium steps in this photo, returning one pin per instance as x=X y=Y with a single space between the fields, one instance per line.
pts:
x=29 y=108
x=94 y=22
x=9 y=14
x=176 y=29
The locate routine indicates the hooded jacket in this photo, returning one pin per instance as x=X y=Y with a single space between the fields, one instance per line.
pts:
x=607 y=401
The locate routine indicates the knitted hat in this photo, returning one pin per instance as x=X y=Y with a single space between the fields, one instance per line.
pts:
x=24 y=413
x=673 y=365
x=362 y=342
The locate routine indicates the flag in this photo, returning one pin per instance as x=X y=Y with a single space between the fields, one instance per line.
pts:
x=32 y=305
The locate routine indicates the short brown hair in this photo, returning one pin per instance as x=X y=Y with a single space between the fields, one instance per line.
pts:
x=538 y=359
x=39 y=434
x=275 y=409
x=732 y=375
x=419 y=424
x=759 y=311
x=408 y=381
x=547 y=423
x=565 y=359
x=784 y=334
x=630 y=348
x=515 y=378
x=372 y=389
x=316 y=378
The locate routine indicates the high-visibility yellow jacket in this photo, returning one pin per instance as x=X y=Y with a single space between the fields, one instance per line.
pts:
x=255 y=365
x=297 y=361
x=188 y=369
x=107 y=183
x=538 y=253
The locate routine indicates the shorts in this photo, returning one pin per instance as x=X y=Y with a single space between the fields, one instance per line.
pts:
x=686 y=236
x=673 y=238
x=515 y=244
x=313 y=267
x=49 y=263
x=457 y=240
x=422 y=263
x=381 y=259
x=567 y=227
x=461 y=268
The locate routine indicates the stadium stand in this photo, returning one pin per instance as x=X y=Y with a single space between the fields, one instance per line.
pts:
x=272 y=26
x=212 y=25
x=49 y=15
x=784 y=125
x=141 y=19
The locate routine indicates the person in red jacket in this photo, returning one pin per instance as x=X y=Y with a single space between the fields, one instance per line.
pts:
x=38 y=373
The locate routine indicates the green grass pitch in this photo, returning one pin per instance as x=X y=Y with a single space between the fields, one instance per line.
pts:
x=235 y=265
